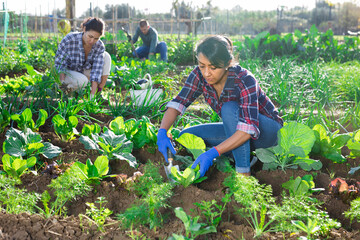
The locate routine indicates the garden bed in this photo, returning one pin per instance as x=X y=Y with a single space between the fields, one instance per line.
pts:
x=232 y=226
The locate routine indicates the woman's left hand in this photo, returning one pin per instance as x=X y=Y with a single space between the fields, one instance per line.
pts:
x=206 y=160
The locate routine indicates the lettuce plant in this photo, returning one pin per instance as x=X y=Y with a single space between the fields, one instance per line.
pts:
x=301 y=186
x=91 y=173
x=24 y=120
x=87 y=129
x=329 y=145
x=110 y=145
x=186 y=177
x=354 y=144
x=141 y=132
x=16 y=166
x=193 y=143
x=28 y=144
x=295 y=141
x=65 y=128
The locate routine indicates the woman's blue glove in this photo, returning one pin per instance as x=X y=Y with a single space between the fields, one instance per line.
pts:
x=206 y=160
x=164 y=142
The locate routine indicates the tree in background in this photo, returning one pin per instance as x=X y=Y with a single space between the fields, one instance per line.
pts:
x=186 y=11
x=348 y=17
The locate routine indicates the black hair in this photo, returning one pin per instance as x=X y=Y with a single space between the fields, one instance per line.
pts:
x=217 y=49
x=93 y=23
x=143 y=23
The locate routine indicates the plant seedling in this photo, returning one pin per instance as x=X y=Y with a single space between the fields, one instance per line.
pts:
x=16 y=166
x=24 y=120
x=65 y=128
x=300 y=186
x=186 y=177
x=98 y=215
x=329 y=145
x=193 y=228
x=310 y=229
x=92 y=173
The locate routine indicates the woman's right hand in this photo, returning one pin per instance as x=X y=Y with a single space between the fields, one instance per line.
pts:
x=164 y=142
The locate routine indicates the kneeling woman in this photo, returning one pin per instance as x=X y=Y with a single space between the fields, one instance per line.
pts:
x=249 y=119
x=81 y=57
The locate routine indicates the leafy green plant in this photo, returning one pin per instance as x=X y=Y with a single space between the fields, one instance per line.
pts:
x=186 y=177
x=354 y=144
x=98 y=215
x=141 y=132
x=147 y=210
x=91 y=173
x=16 y=200
x=16 y=166
x=300 y=186
x=193 y=143
x=213 y=211
x=144 y=183
x=248 y=193
x=193 y=228
x=66 y=187
x=354 y=211
x=4 y=117
x=65 y=128
x=87 y=129
x=69 y=107
x=329 y=145
x=260 y=226
x=24 y=120
x=295 y=141
x=301 y=208
x=110 y=145
x=310 y=229
x=27 y=144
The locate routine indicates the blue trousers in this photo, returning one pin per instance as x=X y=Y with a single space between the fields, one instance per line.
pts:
x=161 y=47
x=215 y=133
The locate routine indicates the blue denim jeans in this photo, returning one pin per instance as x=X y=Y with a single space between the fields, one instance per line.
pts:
x=161 y=47
x=215 y=133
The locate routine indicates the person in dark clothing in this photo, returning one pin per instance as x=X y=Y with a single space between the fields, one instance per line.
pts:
x=151 y=44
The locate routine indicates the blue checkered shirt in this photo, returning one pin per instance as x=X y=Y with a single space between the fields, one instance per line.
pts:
x=241 y=86
x=71 y=55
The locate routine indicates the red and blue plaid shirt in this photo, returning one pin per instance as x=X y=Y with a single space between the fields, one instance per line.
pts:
x=71 y=55
x=241 y=86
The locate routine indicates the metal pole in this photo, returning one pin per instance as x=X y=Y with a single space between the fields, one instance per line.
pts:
x=90 y=10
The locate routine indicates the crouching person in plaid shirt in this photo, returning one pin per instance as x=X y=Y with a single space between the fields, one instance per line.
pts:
x=81 y=57
x=249 y=118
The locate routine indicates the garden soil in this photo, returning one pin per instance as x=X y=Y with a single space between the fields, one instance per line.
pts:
x=77 y=226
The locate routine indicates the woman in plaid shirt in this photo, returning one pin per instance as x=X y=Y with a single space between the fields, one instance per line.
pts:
x=249 y=118
x=81 y=57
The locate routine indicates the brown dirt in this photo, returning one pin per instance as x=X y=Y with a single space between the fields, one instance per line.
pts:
x=25 y=226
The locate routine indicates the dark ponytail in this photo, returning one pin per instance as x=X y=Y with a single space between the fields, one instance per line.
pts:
x=217 y=49
x=93 y=23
